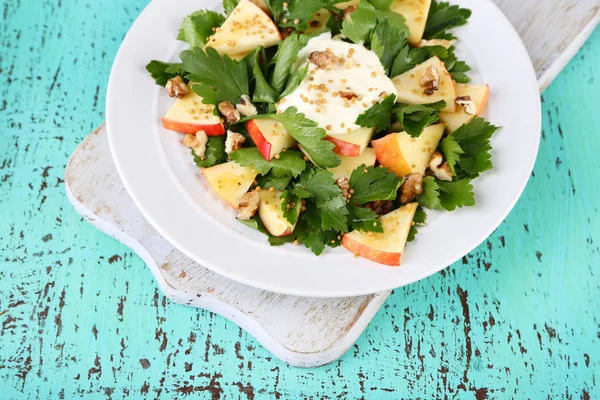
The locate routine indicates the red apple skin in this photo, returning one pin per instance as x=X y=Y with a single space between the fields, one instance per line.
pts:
x=344 y=148
x=181 y=127
x=259 y=140
x=381 y=257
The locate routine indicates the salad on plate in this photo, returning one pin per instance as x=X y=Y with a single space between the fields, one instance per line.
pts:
x=327 y=123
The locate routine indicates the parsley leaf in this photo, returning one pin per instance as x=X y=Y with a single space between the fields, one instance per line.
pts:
x=443 y=16
x=286 y=55
x=161 y=72
x=263 y=93
x=452 y=151
x=251 y=156
x=290 y=163
x=387 y=41
x=317 y=183
x=269 y=181
x=302 y=11
x=364 y=219
x=255 y=223
x=214 y=154
x=474 y=140
x=230 y=5
x=380 y=115
x=419 y=219
x=220 y=78
x=407 y=59
x=295 y=80
x=430 y=198
x=361 y=22
x=376 y=184
x=438 y=195
x=290 y=205
x=456 y=68
x=381 y=4
x=196 y=27
x=456 y=194
x=310 y=136
x=415 y=118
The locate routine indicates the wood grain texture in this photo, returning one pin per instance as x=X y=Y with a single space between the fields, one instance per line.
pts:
x=305 y=332
x=81 y=316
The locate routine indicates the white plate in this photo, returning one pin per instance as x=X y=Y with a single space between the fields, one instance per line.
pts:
x=165 y=184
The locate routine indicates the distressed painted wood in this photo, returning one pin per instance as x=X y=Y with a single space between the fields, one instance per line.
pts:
x=305 y=332
x=552 y=31
x=80 y=316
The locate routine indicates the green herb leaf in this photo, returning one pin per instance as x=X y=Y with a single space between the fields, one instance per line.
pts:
x=376 y=184
x=442 y=17
x=302 y=11
x=310 y=136
x=230 y=5
x=407 y=59
x=263 y=93
x=214 y=154
x=290 y=206
x=430 y=198
x=289 y=163
x=334 y=214
x=317 y=183
x=415 y=118
x=379 y=116
x=452 y=151
x=419 y=219
x=255 y=223
x=295 y=80
x=269 y=181
x=387 y=42
x=251 y=156
x=286 y=56
x=161 y=72
x=361 y=22
x=364 y=219
x=220 y=78
x=456 y=194
x=196 y=27
x=381 y=4
x=474 y=140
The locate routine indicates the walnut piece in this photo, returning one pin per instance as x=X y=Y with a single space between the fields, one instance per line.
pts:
x=440 y=169
x=248 y=205
x=197 y=142
x=322 y=59
x=176 y=87
x=229 y=111
x=245 y=106
x=234 y=141
x=381 y=207
x=411 y=188
x=467 y=103
x=430 y=82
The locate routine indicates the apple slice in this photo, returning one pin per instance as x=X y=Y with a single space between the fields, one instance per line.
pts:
x=351 y=144
x=262 y=5
x=269 y=136
x=189 y=115
x=230 y=180
x=410 y=90
x=479 y=95
x=349 y=164
x=246 y=28
x=415 y=12
x=271 y=214
x=387 y=247
x=404 y=154
x=319 y=22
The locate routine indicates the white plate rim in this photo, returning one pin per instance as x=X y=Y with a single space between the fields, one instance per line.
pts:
x=139 y=176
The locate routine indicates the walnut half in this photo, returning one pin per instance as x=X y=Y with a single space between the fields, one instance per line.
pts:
x=197 y=142
x=229 y=111
x=176 y=87
x=411 y=188
x=248 y=205
x=245 y=106
x=234 y=141
x=467 y=103
x=322 y=59
x=430 y=82
x=440 y=169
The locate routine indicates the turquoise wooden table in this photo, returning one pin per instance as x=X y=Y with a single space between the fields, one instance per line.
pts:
x=81 y=316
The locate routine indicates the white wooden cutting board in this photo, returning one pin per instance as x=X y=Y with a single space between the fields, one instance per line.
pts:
x=304 y=332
